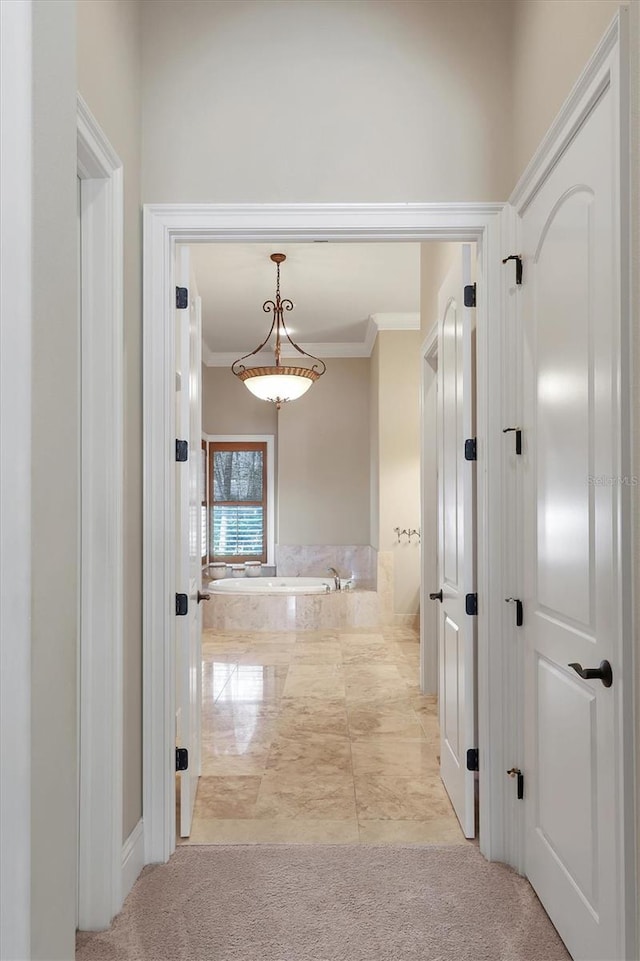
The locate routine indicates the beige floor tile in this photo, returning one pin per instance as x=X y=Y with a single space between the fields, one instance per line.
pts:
x=306 y=796
x=436 y=831
x=237 y=765
x=301 y=716
x=393 y=757
x=273 y=831
x=239 y=711
x=317 y=652
x=288 y=718
x=241 y=742
x=315 y=637
x=369 y=688
x=369 y=654
x=253 y=683
x=401 y=798
x=361 y=639
x=227 y=797
x=382 y=673
x=410 y=649
x=369 y=722
x=314 y=680
x=271 y=654
x=223 y=729
x=425 y=704
x=312 y=754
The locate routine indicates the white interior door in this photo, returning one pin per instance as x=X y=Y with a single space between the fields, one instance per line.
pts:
x=188 y=534
x=572 y=588
x=456 y=542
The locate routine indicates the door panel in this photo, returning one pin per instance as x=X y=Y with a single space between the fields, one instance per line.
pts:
x=188 y=533
x=571 y=563
x=456 y=629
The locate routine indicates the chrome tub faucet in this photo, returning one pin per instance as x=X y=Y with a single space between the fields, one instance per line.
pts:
x=336 y=577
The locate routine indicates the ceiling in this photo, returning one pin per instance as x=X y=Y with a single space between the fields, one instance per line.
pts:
x=343 y=293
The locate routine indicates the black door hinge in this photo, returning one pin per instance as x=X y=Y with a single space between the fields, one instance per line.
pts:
x=182 y=759
x=470 y=295
x=182 y=605
x=517 y=773
x=182 y=451
x=473 y=761
x=471 y=603
x=519 y=609
x=518 y=432
x=182 y=298
x=518 y=260
x=470 y=449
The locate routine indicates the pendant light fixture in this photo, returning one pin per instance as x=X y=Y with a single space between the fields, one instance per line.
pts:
x=280 y=382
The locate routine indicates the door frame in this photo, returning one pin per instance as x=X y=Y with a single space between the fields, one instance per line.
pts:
x=166 y=225
x=100 y=817
x=607 y=69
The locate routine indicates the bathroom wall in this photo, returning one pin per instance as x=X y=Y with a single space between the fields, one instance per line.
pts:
x=551 y=42
x=323 y=459
x=229 y=408
x=435 y=260
x=109 y=80
x=397 y=362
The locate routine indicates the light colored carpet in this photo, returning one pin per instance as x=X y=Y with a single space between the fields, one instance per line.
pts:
x=328 y=903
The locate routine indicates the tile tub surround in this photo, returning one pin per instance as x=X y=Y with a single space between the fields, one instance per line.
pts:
x=318 y=737
x=275 y=612
x=313 y=560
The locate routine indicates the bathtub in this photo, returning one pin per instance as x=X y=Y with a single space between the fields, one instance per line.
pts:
x=287 y=604
x=273 y=585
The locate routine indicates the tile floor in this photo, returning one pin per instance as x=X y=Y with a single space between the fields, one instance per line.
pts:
x=319 y=737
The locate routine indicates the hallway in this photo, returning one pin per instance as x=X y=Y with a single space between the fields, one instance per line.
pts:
x=318 y=737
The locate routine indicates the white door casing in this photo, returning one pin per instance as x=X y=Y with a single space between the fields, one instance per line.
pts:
x=188 y=526
x=165 y=226
x=576 y=572
x=456 y=540
x=100 y=890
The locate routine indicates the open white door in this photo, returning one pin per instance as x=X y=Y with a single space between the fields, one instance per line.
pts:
x=574 y=582
x=456 y=542
x=188 y=533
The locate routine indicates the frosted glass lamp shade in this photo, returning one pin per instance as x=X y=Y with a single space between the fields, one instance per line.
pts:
x=278 y=384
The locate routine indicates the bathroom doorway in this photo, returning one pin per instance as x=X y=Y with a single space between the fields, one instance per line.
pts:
x=312 y=707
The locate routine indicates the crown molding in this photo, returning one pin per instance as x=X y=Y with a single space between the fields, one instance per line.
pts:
x=392 y=320
x=212 y=358
x=381 y=321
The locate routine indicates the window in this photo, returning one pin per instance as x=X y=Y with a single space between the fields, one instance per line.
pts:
x=238 y=504
x=204 y=547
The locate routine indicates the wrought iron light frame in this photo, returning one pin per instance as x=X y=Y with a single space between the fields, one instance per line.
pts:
x=251 y=376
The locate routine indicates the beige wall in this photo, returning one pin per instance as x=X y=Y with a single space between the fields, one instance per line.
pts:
x=109 y=80
x=398 y=372
x=229 y=408
x=435 y=260
x=552 y=41
x=323 y=460
x=270 y=101
x=55 y=465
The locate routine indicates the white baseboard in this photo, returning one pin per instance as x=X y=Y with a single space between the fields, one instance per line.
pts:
x=132 y=858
